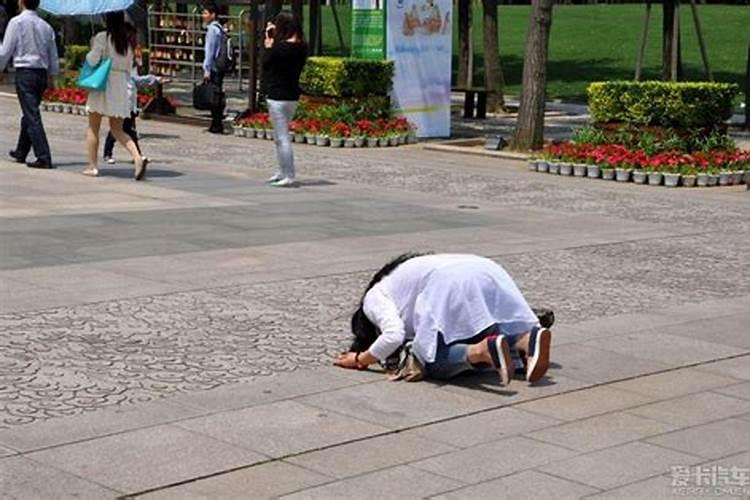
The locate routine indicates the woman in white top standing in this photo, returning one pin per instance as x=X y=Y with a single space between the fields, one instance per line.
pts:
x=462 y=312
x=113 y=101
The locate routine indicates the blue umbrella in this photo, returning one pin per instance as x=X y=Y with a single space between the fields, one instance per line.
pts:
x=83 y=7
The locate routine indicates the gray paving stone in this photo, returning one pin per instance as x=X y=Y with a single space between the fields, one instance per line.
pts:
x=664 y=348
x=107 y=421
x=282 y=428
x=6 y=452
x=714 y=440
x=655 y=488
x=397 y=482
x=148 y=458
x=725 y=330
x=494 y=459
x=29 y=480
x=585 y=403
x=530 y=485
x=676 y=383
x=613 y=467
x=741 y=390
x=268 y=389
x=694 y=409
x=395 y=404
x=268 y=480
x=371 y=454
x=601 y=432
x=595 y=365
x=738 y=367
x=478 y=429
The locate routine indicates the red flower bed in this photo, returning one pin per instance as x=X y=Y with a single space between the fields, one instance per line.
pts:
x=617 y=156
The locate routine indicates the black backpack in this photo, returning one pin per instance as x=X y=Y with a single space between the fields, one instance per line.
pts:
x=225 y=60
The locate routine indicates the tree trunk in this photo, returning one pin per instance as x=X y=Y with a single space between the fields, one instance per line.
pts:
x=274 y=7
x=671 y=69
x=465 y=45
x=297 y=10
x=529 y=131
x=493 y=73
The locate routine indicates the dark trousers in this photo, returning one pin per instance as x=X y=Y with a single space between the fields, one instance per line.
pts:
x=30 y=87
x=128 y=126
x=217 y=112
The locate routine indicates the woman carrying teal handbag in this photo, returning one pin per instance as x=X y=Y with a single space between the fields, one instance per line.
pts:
x=106 y=74
x=95 y=78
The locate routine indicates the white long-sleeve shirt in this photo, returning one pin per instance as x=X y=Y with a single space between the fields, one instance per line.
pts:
x=456 y=295
x=30 y=41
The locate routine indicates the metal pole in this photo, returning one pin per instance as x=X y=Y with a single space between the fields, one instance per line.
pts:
x=701 y=42
x=644 y=38
x=252 y=103
x=342 y=45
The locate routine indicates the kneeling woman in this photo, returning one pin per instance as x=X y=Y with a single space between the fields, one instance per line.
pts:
x=462 y=312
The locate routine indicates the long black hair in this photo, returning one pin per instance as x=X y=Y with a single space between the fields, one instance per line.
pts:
x=117 y=29
x=364 y=331
x=287 y=26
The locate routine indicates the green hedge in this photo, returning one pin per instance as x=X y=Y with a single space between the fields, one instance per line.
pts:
x=683 y=105
x=343 y=77
x=74 y=56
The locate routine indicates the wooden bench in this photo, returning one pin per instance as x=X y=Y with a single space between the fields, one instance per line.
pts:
x=470 y=106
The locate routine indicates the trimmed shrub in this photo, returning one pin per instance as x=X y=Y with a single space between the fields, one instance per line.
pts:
x=683 y=105
x=74 y=56
x=343 y=77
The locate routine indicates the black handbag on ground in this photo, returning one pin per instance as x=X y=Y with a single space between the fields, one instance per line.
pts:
x=206 y=96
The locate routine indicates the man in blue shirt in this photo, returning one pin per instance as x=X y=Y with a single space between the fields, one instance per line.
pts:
x=30 y=41
x=214 y=39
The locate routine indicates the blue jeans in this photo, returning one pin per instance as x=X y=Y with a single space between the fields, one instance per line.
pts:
x=281 y=113
x=30 y=87
x=453 y=359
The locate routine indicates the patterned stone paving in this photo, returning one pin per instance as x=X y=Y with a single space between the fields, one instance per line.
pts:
x=70 y=360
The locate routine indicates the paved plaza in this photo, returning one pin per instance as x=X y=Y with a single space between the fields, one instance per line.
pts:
x=173 y=338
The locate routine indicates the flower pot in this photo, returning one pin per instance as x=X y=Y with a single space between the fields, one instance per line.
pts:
x=57 y=108
x=640 y=177
x=593 y=171
x=383 y=142
x=566 y=168
x=542 y=166
x=393 y=141
x=309 y=138
x=655 y=178
x=738 y=175
x=412 y=137
x=82 y=110
x=713 y=180
x=746 y=177
x=579 y=169
x=238 y=131
x=553 y=168
x=608 y=174
x=372 y=142
x=349 y=142
x=337 y=142
x=533 y=165
x=269 y=134
x=726 y=178
x=359 y=142
x=623 y=174
x=402 y=139
x=702 y=180
x=43 y=106
x=671 y=180
x=321 y=140
x=251 y=133
x=688 y=180
x=67 y=108
x=297 y=137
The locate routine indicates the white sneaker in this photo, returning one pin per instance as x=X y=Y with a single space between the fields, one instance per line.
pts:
x=275 y=178
x=110 y=160
x=285 y=182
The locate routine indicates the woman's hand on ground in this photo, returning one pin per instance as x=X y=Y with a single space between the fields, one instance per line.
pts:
x=347 y=360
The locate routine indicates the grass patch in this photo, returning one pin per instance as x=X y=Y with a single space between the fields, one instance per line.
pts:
x=597 y=42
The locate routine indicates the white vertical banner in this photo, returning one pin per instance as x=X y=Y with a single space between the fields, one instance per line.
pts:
x=418 y=40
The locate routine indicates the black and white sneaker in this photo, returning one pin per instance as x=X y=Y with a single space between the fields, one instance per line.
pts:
x=537 y=359
x=501 y=358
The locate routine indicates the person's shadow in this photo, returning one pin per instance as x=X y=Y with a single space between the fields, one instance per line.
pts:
x=488 y=381
x=122 y=172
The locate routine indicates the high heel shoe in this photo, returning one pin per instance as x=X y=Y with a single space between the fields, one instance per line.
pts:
x=140 y=168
